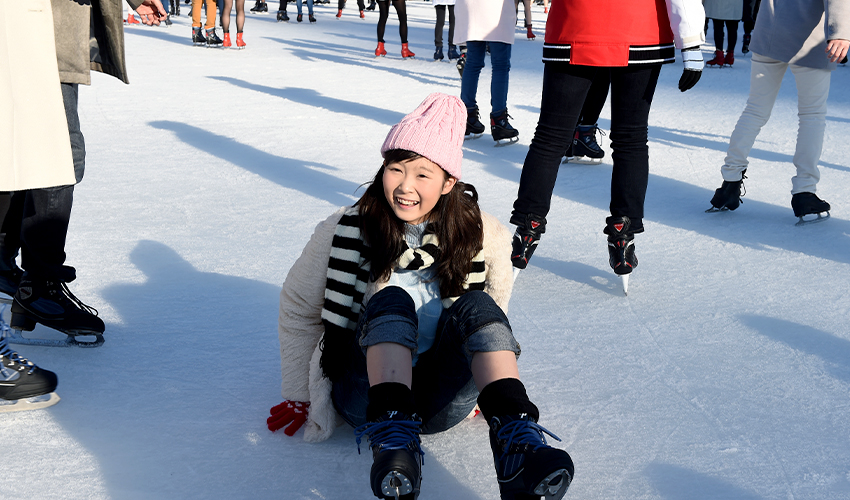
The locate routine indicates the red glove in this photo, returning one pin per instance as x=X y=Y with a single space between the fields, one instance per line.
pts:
x=292 y=413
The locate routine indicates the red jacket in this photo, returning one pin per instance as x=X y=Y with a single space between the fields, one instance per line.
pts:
x=609 y=32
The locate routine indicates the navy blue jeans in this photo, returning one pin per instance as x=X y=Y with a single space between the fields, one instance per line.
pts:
x=500 y=58
x=443 y=388
x=565 y=88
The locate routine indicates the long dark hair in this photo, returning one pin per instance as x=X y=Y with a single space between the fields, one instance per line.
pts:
x=456 y=219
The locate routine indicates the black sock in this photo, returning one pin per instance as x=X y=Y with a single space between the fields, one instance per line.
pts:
x=506 y=397
x=389 y=396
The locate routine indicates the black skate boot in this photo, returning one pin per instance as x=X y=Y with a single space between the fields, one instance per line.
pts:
x=474 y=127
x=453 y=53
x=438 y=53
x=372 y=5
x=9 y=280
x=621 y=248
x=502 y=130
x=745 y=47
x=585 y=149
x=53 y=305
x=526 y=467
x=396 y=454
x=809 y=204
x=198 y=36
x=461 y=61
x=529 y=229
x=21 y=379
x=729 y=195
x=282 y=17
x=260 y=8
x=212 y=39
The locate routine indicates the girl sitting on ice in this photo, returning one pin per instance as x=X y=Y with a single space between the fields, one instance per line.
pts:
x=393 y=318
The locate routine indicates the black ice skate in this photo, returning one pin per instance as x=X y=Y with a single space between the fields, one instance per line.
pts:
x=396 y=453
x=474 y=127
x=23 y=385
x=728 y=196
x=453 y=53
x=501 y=130
x=621 y=248
x=282 y=17
x=529 y=229
x=585 y=149
x=809 y=204
x=461 y=61
x=526 y=466
x=212 y=39
x=260 y=8
x=198 y=36
x=745 y=46
x=54 y=306
x=438 y=53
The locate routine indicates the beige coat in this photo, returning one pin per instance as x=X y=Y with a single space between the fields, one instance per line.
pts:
x=300 y=324
x=35 y=150
x=485 y=21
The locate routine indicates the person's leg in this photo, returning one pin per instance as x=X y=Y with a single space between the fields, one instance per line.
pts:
x=765 y=79
x=500 y=58
x=383 y=15
x=527 y=4
x=225 y=16
x=197 y=5
x=596 y=97
x=812 y=93
x=438 y=27
x=632 y=89
x=565 y=89
x=298 y=5
x=718 y=34
x=471 y=73
x=401 y=12
x=451 y=25
x=11 y=213
x=211 y=10
x=732 y=29
x=310 y=8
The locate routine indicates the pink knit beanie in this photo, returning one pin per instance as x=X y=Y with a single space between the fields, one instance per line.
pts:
x=435 y=130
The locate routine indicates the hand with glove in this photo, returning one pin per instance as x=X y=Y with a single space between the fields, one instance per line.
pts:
x=692 y=57
x=292 y=413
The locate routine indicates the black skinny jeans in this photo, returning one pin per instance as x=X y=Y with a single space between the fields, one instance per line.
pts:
x=565 y=88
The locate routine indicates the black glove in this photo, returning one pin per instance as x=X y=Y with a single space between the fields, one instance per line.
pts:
x=692 y=58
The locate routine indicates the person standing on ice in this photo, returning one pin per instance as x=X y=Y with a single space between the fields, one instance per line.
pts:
x=726 y=13
x=632 y=40
x=483 y=23
x=809 y=37
x=34 y=222
x=240 y=23
x=383 y=15
x=409 y=329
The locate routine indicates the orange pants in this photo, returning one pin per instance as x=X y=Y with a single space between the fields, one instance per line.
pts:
x=196 y=13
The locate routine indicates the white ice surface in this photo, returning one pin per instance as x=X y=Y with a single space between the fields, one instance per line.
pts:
x=724 y=374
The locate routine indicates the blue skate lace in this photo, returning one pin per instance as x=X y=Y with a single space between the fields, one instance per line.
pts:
x=14 y=357
x=390 y=434
x=523 y=432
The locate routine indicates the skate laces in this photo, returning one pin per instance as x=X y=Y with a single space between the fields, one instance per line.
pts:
x=390 y=434
x=523 y=433
x=13 y=356
x=63 y=290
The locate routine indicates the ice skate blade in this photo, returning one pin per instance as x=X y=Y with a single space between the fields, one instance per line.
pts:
x=516 y=272
x=625 y=278
x=33 y=403
x=16 y=337
x=804 y=222
x=715 y=209
x=583 y=160
x=395 y=485
x=506 y=142
x=469 y=137
x=554 y=486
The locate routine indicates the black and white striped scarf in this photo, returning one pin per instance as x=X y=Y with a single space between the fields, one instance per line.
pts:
x=349 y=271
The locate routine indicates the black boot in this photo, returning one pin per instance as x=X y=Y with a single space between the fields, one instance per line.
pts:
x=21 y=377
x=501 y=129
x=809 y=204
x=212 y=39
x=53 y=305
x=529 y=229
x=584 y=143
x=198 y=36
x=474 y=127
x=729 y=195
x=621 y=246
x=745 y=47
x=372 y=5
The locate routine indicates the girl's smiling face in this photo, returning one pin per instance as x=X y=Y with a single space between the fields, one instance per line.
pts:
x=413 y=188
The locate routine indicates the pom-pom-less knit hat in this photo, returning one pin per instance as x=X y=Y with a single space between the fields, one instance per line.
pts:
x=435 y=130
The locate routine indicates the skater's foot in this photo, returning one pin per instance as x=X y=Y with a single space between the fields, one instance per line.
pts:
x=529 y=229
x=527 y=467
x=9 y=280
x=53 y=305
x=474 y=127
x=745 y=47
x=21 y=378
x=240 y=43
x=453 y=53
x=501 y=129
x=405 y=52
x=380 y=51
x=718 y=60
x=621 y=246
x=198 y=36
x=212 y=39
x=809 y=204
x=585 y=145
x=396 y=454
x=438 y=53
x=729 y=195
x=226 y=41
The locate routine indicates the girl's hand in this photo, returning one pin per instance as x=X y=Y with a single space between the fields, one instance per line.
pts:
x=292 y=413
x=836 y=50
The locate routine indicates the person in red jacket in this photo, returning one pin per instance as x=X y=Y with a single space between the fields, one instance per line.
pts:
x=632 y=41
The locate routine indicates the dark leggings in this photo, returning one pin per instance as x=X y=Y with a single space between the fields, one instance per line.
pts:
x=596 y=97
x=732 y=28
x=441 y=20
x=240 y=15
x=360 y=5
x=400 y=10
